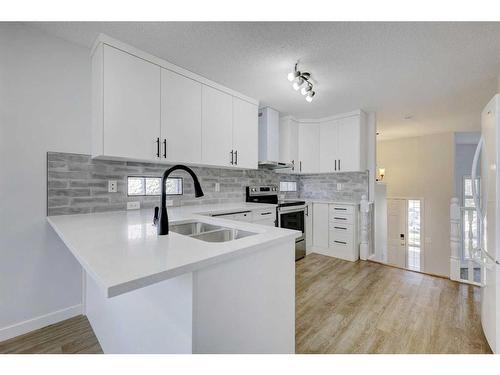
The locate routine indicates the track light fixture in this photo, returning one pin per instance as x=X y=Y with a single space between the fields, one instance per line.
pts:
x=301 y=81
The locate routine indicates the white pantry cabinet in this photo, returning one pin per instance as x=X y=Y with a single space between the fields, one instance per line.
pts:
x=328 y=146
x=131 y=106
x=245 y=134
x=308 y=148
x=351 y=148
x=145 y=108
x=180 y=118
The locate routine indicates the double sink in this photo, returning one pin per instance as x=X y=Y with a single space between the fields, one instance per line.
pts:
x=209 y=232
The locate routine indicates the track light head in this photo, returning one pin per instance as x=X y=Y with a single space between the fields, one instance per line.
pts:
x=297 y=83
x=310 y=96
x=306 y=89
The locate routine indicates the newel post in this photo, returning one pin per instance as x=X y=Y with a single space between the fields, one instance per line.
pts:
x=455 y=235
x=364 y=247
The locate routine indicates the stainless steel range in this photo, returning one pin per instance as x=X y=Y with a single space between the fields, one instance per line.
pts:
x=290 y=214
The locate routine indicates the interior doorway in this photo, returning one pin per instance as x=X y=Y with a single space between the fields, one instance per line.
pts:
x=405 y=233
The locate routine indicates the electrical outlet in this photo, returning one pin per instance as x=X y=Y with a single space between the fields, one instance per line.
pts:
x=169 y=202
x=339 y=186
x=112 y=186
x=217 y=187
x=133 y=205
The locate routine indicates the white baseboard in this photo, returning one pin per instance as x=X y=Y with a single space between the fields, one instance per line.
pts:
x=39 y=322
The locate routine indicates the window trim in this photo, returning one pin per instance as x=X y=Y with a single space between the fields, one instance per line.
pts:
x=154 y=195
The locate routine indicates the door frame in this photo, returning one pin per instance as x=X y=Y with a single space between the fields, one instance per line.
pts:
x=422 y=229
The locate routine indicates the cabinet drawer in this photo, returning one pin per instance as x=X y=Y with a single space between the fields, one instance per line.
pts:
x=339 y=209
x=344 y=250
x=267 y=214
x=341 y=219
x=341 y=230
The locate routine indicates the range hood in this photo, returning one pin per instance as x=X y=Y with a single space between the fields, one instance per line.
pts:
x=269 y=140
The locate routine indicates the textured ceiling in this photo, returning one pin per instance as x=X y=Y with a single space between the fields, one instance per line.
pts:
x=442 y=74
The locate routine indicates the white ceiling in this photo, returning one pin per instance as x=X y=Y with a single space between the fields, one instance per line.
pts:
x=442 y=74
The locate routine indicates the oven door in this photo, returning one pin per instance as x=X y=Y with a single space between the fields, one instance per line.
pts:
x=292 y=219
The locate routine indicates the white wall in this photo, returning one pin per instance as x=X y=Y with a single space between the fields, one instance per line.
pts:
x=423 y=167
x=45 y=105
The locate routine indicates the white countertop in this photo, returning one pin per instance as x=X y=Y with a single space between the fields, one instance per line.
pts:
x=330 y=202
x=122 y=252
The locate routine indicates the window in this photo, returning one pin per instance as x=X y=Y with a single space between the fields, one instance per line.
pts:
x=413 y=259
x=139 y=186
x=286 y=186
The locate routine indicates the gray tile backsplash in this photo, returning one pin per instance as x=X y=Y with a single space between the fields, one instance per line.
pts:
x=78 y=184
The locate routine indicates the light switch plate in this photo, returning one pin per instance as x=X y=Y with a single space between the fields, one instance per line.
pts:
x=112 y=186
x=133 y=205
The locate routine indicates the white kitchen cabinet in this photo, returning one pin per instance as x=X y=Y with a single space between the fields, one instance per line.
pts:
x=350 y=145
x=217 y=127
x=180 y=118
x=245 y=134
x=320 y=225
x=127 y=120
x=289 y=142
x=328 y=146
x=308 y=148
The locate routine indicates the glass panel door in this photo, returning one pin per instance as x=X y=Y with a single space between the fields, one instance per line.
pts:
x=414 y=235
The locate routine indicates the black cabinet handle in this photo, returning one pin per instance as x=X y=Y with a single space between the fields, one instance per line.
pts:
x=236 y=157
x=339 y=164
x=293 y=165
x=300 y=167
x=340 y=228
x=335 y=164
x=165 y=148
x=340 y=218
x=341 y=242
x=265 y=213
x=232 y=157
x=158 y=147
x=340 y=209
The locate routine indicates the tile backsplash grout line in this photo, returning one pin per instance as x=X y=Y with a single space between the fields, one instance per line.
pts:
x=76 y=183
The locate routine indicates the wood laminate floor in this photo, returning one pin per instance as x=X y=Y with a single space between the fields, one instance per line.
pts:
x=341 y=307
x=365 y=307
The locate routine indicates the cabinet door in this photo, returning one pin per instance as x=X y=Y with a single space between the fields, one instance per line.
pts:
x=328 y=146
x=217 y=126
x=245 y=133
x=289 y=142
x=308 y=148
x=180 y=118
x=131 y=106
x=349 y=152
x=309 y=227
x=320 y=225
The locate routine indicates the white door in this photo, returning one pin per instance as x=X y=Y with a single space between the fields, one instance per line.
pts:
x=217 y=127
x=131 y=106
x=245 y=133
x=289 y=142
x=328 y=146
x=320 y=225
x=308 y=148
x=349 y=153
x=180 y=118
x=396 y=232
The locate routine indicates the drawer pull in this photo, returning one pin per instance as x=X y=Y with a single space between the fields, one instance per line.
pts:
x=340 y=228
x=341 y=242
x=340 y=218
x=266 y=213
x=340 y=209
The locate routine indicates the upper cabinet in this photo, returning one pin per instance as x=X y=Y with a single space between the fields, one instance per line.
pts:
x=130 y=107
x=180 y=118
x=217 y=127
x=330 y=145
x=145 y=108
x=245 y=133
x=308 y=148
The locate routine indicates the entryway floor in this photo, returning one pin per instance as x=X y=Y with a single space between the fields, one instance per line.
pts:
x=341 y=307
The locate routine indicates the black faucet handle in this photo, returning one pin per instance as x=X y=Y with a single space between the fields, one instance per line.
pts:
x=156 y=214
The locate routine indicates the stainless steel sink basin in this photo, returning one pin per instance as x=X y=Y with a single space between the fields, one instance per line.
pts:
x=193 y=227
x=209 y=232
x=223 y=235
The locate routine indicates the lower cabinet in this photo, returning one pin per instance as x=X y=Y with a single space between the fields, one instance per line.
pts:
x=335 y=230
